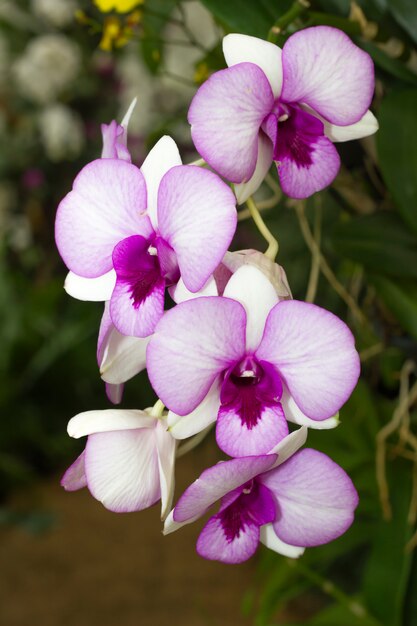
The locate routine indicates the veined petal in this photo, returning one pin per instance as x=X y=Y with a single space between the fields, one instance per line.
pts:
x=215 y=482
x=90 y=289
x=315 y=353
x=249 y=286
x=236 y=439
x=270 y=539
x=293 y=413
x=193 y=343
x=122 y=469
x=289 y=446
x=203 y=415
x=367 y=125
x=123 y=358
x=103 y=208
x=324 y=69
x=74 y=478
x=316 y=499
x=263 y=163
x=108 y=420
x=244 y=48
x=301 y=181
x=197 y=217
x=225 y=116
x=163 y=156
x=214 y=545
x=166 y=448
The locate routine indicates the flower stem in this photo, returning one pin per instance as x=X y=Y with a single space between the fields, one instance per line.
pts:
x=158 y=409
x=198 y=163
x=272 y=250
x=285 y=20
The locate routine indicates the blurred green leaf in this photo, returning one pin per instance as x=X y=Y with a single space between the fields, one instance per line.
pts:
x=338 y=615
x=395 y=67
x=401 y=299
x=397 y=150
x=155 y=17
x=250 y=18
x=410 y=612
x=380 y=243
x=405 y=12
x=388 y=568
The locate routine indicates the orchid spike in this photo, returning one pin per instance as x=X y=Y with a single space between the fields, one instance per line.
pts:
x=289 y=499
x=287 y=106
x=251 y=362
x=128 y=461
x=151 y=226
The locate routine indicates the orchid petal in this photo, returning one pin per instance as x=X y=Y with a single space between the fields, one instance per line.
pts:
x=166 y=448
x=269 y=538
x=315 y=353
x=197 y=217
x=249 y=286
x=122 y=469
x=193 y=343
x=236 y=439
x=215 y=482
x=126 y=119
x=263 y=163
x=123 y=358
x=316 y=499
x=74 y=478
x=90 y=289
x=324 y=69
x=244 y=48
x=163 y=156
x=294 y=414
x=213 y=544
x=103 y=208
x=180 y=293
x=367 y=125
x=114 y=393
x=108 y=420
x=289 y=446
x=225 y=116
x=301 y=181
x=203 y=415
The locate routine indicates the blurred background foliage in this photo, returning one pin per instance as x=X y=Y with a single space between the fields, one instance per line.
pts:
x=68 y=65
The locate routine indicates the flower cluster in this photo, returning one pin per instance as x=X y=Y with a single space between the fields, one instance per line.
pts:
x=236 y=351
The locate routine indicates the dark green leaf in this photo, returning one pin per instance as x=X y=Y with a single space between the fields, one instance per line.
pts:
x=380 y=243
x=397 y=150
x=395 y=67
x=401 y=299
x=405 y=12
x=250 y=18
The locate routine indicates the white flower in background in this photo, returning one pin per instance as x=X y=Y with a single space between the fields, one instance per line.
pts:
x=48 y=65
x=62 y=132
x=56 y=12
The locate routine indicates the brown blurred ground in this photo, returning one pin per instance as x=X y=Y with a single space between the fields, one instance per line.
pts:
x=94 y=567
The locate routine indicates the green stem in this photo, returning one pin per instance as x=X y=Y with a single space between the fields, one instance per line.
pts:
x=272 y=250
x=198 y=163
x=158 y=409
x=285 y=20
x=348 y=26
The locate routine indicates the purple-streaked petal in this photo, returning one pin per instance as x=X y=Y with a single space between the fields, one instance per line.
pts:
x=180 y=293
x=163 y=156
x=193 y=343
x=263 y=163
x=108 y=420
x=324 y=69
x=315 y=353
x=74 y=478
x=104 y=207
x=269 y=538
x=316 y=499
x=301 y=181
x=289 y=446
x=236 y=439
x=294 y=414
x=367 y=125
x=203 y=415
x=225 y=116
x=252 y=289
x=137 y=302
x=214 y=545
x=197 y=217
x=114 y=145
x=122 y=469
x=215 y=482
x=246 y=49
x=166 y=447
x=114 y=393
x=90 y=289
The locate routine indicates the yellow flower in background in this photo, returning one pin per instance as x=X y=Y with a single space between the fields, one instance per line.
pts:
x=116 y=33
x=120 y=6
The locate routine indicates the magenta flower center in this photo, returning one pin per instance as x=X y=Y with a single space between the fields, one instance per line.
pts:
x=249 y=387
